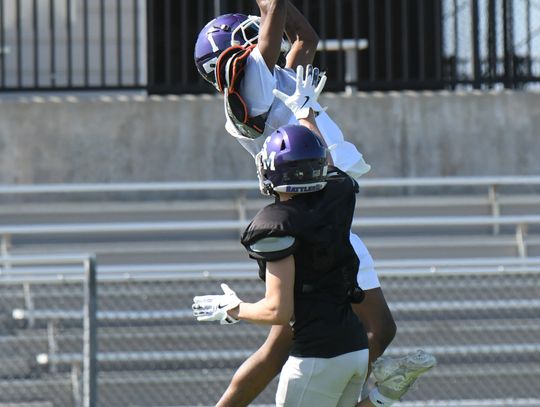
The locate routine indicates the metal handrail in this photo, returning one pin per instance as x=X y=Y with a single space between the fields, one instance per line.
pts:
x=344 y=44
x=446 y=221
x=234 y=354
x=21 y=314
x=46 y=259
x=231 y=225
x=501 y=263
x=255 y=203
x=226 y=185
x=403 y=268
x=519 y=221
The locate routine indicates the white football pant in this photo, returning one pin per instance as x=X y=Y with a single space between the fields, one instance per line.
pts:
x=322 y=382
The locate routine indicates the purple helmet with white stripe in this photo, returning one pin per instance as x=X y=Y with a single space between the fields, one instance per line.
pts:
x=218 y=35
x=293 y=159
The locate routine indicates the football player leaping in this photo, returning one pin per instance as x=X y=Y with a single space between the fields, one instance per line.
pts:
x=302 y=245
x=243 y=57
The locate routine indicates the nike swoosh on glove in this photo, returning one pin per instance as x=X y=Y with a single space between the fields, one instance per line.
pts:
x=215 y=307
x=308 y=89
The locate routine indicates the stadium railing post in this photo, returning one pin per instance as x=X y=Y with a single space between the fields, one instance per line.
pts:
x=90 y=334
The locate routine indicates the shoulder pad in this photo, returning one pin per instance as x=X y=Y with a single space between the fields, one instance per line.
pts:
x=335 y=173
x=272 y=248
x=270 y=231
x=272 y=244
x=229 y=73
x=236 y=109
x=230 y=65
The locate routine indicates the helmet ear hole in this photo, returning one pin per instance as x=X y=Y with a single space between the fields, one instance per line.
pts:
x=283 y=146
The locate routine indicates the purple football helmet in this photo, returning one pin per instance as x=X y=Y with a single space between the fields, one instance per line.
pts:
x=218 y=35
x=221 y=33
x=292 y=159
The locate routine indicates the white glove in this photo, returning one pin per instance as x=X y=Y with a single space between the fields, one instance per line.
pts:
x=215 y=307
x=307 y=92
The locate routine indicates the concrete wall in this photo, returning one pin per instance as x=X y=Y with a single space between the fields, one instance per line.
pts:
x=101 y=139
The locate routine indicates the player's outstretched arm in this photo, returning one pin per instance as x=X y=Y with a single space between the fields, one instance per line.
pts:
x=303 y=37
x=259 y=369
x=273 y=16
x=277 y=306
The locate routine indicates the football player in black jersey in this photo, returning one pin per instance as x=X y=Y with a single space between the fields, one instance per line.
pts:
x=301 y=243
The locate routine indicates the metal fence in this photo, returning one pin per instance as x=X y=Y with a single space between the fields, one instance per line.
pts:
x=492 y=43
x=72 y=44
x=22 y=380
x=482 y=324
x=148 y=45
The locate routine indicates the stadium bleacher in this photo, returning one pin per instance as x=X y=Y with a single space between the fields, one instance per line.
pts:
x=460 y=271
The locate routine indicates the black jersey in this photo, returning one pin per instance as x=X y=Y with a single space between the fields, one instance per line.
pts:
x=315 y=228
